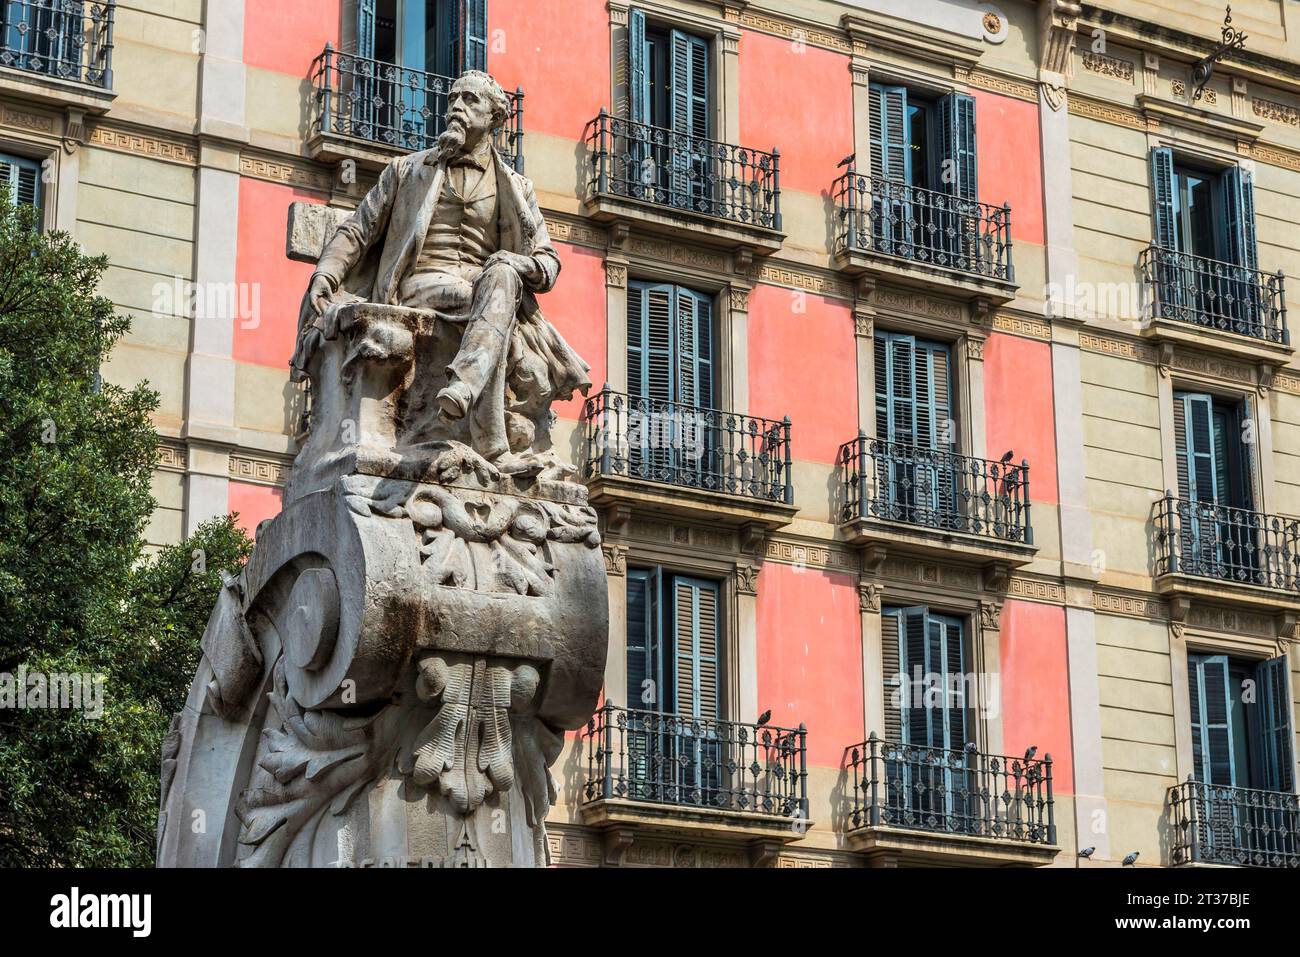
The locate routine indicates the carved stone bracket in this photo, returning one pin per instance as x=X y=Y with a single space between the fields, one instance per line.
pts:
x=75 y=134
x=615 y=560
x=1179 y=607
x=991 y=615
x=873 y=559
x=997 y=576
x=747 y=579
x=753 y=538
x=614 y=843
x=869 y=595
x=1058 y=30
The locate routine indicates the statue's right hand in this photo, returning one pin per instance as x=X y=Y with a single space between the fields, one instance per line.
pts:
x=318 y=294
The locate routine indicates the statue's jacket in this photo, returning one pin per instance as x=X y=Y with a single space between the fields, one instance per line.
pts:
x=377 y=246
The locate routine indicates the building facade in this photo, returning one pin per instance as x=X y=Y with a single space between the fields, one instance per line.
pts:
x=947 y=423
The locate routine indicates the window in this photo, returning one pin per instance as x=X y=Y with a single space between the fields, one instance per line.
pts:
x=1217 y=529
x=23 y=179
x=922 y=149
x=673 y=667
x=1214 y=466
x=915 y=429
x=670 y=88
x=439 y=37
x=1237 y=741
x=924 y=650
x=670 y=344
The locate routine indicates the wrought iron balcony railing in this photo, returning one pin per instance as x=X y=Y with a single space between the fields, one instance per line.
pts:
x=696 y=763
x=684 y=172
x=952 y=792
x=394 y=106
x=1215 y=295
x=1244 y=827
x=1227 y=544
x=933 y=488
x=687 y=446
x=64 y=39
x=887 y=218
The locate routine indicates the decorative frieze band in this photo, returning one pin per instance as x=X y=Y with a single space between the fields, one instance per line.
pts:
x=1276 y=112
x=247 y=468
x=793 y=31
x=171 y=457
x=648 y=530
x=785 y=274
x=1130 y=606
x=1035 y=589
x=806 y=555
x=153 y=147
x=1181 y=360
x=287 y=174
x=1023 y=326
x=24 y=120
x=576 y=232
x=1109 y=113
x=1013 y=86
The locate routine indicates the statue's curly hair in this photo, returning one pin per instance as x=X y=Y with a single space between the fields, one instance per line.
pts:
x=500 y=102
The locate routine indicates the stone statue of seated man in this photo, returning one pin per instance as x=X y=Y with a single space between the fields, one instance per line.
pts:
x=456 y=231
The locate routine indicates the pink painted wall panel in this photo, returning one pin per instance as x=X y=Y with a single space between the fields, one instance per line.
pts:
x=803 y=363
x=810 y=657
x=254 y=504
x=576 y=307
x=1036 y=687
x=266 y=276
x=779 y=81
x=1010 y=161
x=286 y=35
x=558 y=51
x=1019 y=412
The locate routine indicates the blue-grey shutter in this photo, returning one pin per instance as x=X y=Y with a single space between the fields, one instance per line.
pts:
x=650 y=340
x=472 y=35
x=891 y=630
x=1241 y=247
x=688 y=116
x=913 y=643
x=694 y=339
x=1211 y=711
x=1276 y=736
x=960 y=176
x=359 y=28
x=696 y=628
x=948 y=659
x=645 y=685
x=1199 y=467
x=890 y=139
x=23 y=179
x=638 y=76
x=1164 y=194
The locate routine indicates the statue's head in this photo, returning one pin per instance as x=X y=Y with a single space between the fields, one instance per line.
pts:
x=476 y=107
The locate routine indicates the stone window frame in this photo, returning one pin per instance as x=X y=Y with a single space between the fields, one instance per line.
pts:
x=1207 y=641
x=738 y=640
x=59 y=192
x=983 y=648
x=724 y=58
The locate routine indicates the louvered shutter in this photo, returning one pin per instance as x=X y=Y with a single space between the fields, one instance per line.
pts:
x=1194 y=436
x=953 y=657
x=1212 y=731
x=957 y=142
x=471 y=37
x=890 y=155
x=695 y=613
x=1164 y=191
x=1276 y=735
x=23 y=179
x=891 y=628
x=1238 y=192
x=650 y=340
x=638 y=91
x=359 y=28
x=913 y=646
x=689 y=109
x=640 y=628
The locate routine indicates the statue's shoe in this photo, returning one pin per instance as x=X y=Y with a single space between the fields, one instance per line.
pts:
x=453 y=402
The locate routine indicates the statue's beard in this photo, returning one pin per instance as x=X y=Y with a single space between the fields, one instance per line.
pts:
x=452 y=140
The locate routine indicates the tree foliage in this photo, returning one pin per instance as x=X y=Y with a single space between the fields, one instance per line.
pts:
x=78 y=593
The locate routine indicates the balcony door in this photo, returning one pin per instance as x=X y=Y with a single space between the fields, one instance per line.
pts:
x=410 y=51
x=926 y=714
x=1219 y=534
x=673 y=655
x=670 y=105
x=672 y=429
x=1205 y=221
x=1241 y=738
x=915 y=472
x=924 y=177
